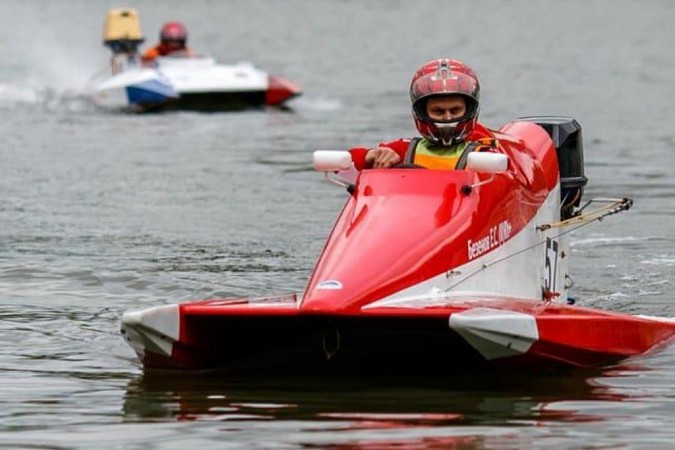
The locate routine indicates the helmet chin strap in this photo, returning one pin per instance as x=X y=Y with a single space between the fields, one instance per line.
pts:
x=447 y=133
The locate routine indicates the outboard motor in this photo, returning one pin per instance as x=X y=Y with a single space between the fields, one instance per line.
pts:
x=122 y=34
x=566 y=135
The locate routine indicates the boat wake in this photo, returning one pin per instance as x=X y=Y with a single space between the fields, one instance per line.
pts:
x=43 y=98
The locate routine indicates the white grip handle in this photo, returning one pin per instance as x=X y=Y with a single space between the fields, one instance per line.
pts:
x=487 y=162
x=331 y=160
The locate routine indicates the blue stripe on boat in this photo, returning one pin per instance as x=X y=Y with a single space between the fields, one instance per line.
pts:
x=150 y=92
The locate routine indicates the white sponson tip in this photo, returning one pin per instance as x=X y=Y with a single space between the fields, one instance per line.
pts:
x=331 y=160
x=487 y=162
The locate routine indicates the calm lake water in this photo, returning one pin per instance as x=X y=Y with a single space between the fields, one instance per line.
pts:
x=102 y=213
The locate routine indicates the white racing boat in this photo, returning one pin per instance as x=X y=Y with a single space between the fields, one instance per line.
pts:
x=190 y=83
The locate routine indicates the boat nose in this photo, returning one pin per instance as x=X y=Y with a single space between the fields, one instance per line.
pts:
x=279 y=90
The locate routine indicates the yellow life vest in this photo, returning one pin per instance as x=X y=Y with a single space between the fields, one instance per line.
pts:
x=422 y=153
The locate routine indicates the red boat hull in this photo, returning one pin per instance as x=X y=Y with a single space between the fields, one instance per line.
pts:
x=280 y=90
x=424 y=271
x=242 y=337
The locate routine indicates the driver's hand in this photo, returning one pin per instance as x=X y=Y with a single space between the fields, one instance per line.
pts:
x=382 y=157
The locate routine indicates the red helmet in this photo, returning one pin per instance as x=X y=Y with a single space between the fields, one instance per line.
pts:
x=444 y=77
x=173 y=32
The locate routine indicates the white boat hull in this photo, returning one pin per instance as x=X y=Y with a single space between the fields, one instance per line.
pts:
x=190 y=83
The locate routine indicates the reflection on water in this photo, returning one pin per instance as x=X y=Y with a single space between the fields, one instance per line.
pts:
x=424 y=411
x=481 y=409
x=471 y=410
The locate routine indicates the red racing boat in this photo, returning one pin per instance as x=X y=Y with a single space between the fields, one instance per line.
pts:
x=425 y=271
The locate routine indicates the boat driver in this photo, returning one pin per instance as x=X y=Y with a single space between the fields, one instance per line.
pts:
x=172 y=42
x=445 y=97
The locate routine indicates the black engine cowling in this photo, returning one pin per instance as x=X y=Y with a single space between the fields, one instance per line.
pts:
x=566 y=135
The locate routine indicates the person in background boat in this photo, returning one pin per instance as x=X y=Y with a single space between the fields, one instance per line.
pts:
x=172 y=42
x=445 y=97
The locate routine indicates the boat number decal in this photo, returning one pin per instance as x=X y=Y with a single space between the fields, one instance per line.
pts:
x=551 y=264
x=329 y=284
x=495 y=237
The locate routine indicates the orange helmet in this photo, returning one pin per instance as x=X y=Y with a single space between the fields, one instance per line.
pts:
x=173 y=32
x=444 y=77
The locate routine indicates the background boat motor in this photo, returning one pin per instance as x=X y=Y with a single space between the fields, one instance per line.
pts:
x=122 y=31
